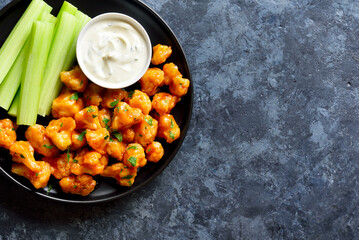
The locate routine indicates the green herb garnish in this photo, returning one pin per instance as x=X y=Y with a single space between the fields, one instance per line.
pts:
x=75 y=161
x=94 y=116
x=22 y=156
x=89 y=109
x=132 y=160
x=106 y=121
x=149 y=121
x=75 y=96
x=172 y=135
x=81 y=136
x=48 y=146
x=130 y=94
x=132 y=147
x=118 y=136
x=68 y=154
x=106 y=137
x=49 y=187
x=114 y=103
x=172 y=123
x=128 y=177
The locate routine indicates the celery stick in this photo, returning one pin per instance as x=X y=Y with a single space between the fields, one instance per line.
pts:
x=15 y=104
x=71 y=57
x=47 y=17
x=53 y=91
x=16 y=40
x=35 y=63
x=66 y=7
x=12 y=80
x=58 y=53
x=47 y=8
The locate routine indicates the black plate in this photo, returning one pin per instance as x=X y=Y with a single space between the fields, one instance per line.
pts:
x=159 y=32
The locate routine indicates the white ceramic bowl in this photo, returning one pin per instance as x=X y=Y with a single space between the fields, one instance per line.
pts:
x=136 y=74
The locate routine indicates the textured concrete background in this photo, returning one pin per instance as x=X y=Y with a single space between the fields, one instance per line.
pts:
x=272 y=151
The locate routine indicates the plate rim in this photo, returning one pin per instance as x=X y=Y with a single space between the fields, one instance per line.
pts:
x=167 y=161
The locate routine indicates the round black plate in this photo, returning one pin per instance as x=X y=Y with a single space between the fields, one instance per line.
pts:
x=159 y=32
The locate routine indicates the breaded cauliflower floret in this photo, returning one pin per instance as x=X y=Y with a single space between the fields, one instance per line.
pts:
x=179 y=86
x=154 y=151
x=61 y=165
x=98 y=139
x=23 y=152
x=93 y=95
x=87 y=118
x=116 y=149
x=105 y=117
x=168 y=128
x=81 y=185
x=163 y=102
x=125 y=116
x=128 y=135
x=151 y=80
x=146 y=130
x=134 y=156
x=78 y=140
x=124 y=175
x=7 y=133
x=74 y=79
x=141 y=100
x=160 y=54
x=67 y=104
x=60 y=132
x=171 y=71
x=36 y=135
x=38 y=179
x=89 y=162
x=111 y=97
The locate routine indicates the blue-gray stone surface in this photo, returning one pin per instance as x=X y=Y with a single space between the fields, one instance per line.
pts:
x=273 y=147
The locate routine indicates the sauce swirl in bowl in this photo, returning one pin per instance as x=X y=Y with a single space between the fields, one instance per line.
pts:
x=113 y=50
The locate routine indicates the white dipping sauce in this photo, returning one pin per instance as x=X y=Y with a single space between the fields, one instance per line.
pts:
x=113 y=51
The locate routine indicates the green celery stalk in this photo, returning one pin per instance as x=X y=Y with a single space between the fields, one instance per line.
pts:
x=15 y=104
x=50 y=93
x=66 y=7
x=58 y=53
x=47 y=8
x=11 y=83
x=47 y=17
x=71 y=56
x=35 y=63
x=17 y=38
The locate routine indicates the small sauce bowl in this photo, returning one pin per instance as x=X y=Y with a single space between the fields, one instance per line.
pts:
x=113 y=50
